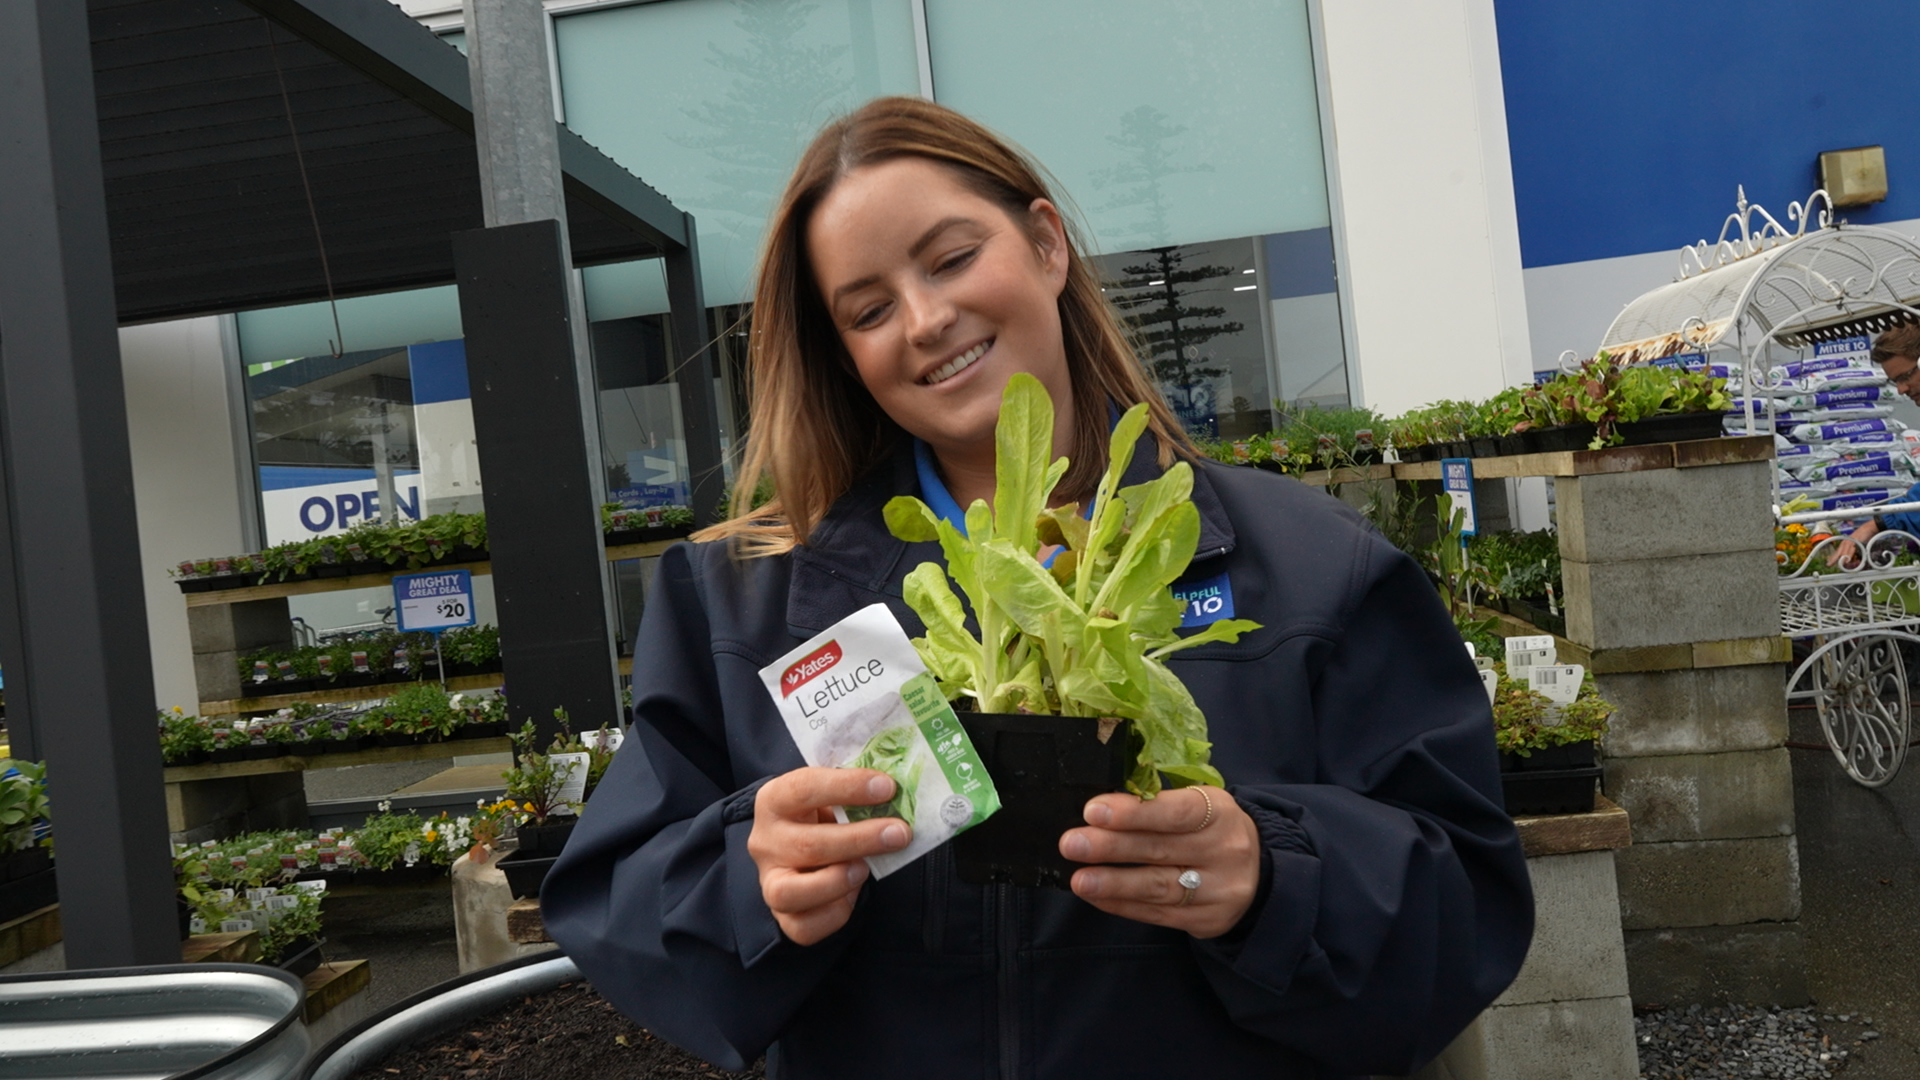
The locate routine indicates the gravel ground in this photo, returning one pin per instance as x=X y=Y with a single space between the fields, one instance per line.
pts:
x=1721 y=1042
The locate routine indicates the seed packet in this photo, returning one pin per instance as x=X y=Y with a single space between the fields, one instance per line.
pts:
x=857 y=696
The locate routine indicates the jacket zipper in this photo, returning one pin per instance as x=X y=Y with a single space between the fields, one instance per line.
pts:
x=1006 y=948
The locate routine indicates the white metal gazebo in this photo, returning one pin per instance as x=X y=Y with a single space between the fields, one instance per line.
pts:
x=1760 y=297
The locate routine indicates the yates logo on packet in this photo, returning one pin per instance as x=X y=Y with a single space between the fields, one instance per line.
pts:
x=857 y=697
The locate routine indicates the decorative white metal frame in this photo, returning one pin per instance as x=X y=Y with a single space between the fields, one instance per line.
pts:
x=1748 y=298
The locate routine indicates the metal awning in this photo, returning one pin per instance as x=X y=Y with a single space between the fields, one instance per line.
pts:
x=205 y=198
x=1795 y=286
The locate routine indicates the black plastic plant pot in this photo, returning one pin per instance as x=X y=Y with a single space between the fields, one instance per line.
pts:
x=1511 y=444
x=259 y=751
x=1564 y=437
x=1577 y=755
x=25 y=863
x=1485 y=447
x=492 y=729
x=300 y=957
x=1549 y=791
x=1045 y=769
x=1672 y=427
x=544 y=839
x=28 y=893
x=526 y=871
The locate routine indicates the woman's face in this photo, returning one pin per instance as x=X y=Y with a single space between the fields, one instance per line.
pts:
x=940 y=297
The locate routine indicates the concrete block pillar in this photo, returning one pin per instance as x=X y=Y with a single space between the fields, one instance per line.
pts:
x=221 y=633
x=1672 y=591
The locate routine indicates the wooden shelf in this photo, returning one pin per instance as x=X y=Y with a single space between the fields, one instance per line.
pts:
x=380 y=755
x=1612 y=459
x=310 y=586
x=344 y=694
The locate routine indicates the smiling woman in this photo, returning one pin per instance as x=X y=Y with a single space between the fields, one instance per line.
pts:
x=1341 y=897
x=908 y=238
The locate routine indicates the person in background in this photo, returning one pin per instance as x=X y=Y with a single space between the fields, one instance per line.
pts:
x=1897 y=351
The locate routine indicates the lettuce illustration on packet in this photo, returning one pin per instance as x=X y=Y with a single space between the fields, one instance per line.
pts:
x=1088 y=635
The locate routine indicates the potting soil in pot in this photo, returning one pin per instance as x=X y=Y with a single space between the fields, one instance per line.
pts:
x=567 y=1032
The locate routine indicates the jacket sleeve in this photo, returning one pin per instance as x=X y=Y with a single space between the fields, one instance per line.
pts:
x=1906 y=521
x=1398 y=903
x=655 y=897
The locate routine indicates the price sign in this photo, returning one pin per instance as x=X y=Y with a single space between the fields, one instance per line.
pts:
x=1456 y=479
x=434 y=601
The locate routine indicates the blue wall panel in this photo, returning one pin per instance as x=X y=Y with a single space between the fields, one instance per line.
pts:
x=1632 y=121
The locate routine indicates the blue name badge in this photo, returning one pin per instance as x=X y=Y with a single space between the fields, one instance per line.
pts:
x=1205 y=602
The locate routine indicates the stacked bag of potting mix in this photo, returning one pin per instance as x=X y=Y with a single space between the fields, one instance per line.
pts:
x=1836 y=442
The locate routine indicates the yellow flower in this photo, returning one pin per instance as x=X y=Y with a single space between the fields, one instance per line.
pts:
x=528 y=807
x=177 y=712
x=432 y=836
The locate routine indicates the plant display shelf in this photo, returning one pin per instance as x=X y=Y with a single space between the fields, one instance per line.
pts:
x=350 y=694
x=1855 y=615
x=1612 y=459
x=344 y=695
x=378 y=755
x=309 y=586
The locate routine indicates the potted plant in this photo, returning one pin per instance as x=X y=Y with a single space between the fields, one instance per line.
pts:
x=1070 y=654
x=184 y=740
x=1546 y=753
x=26 y=839
x=1660 y=404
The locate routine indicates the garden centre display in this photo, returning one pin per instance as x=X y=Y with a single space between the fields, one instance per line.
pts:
x=26 y=839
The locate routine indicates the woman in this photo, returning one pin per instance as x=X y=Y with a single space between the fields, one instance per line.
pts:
x=1361 y=894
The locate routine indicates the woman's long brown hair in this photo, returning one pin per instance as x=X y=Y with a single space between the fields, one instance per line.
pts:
x=815 y=429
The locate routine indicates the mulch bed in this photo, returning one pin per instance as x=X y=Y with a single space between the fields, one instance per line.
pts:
x=569 y=1031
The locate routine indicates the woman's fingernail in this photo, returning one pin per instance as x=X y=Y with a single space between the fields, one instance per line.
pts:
x=1098 y=813
x=880 y=788
x=894 y=836
x=856 y=875
x=1087 y=884
x=1075 y=846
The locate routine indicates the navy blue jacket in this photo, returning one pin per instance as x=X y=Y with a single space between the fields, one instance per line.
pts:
x=1352 y=727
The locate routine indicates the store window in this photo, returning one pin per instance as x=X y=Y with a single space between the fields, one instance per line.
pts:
x=732 y=92
x=383 y=433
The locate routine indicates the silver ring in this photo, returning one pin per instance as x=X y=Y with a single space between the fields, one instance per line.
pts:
x=1190 y=883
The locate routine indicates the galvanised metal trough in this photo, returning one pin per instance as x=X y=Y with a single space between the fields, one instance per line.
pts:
x=434 y=1010
x=180 y=1022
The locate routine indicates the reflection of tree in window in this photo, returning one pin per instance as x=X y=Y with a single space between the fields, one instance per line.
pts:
x=1171 y=331
x=1145 y=139
x=780 y=92
x=344 y=412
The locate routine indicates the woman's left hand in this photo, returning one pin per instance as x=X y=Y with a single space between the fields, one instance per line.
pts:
x=1169 y=835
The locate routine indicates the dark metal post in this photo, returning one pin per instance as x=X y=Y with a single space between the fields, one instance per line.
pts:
x=693 y=364
x=542 y=523
x=78 y=628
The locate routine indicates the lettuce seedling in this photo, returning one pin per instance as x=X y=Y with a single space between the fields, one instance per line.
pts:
x=1089 y=635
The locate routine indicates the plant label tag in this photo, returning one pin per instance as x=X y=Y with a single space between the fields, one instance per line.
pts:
x=856 y=696
x=1490 y=681
x=1525 y=652
x=235 y=926
x=1558 y=683
x=608 y=740
x=318 y=886
x=196 y=925
x=281 y=903
x=573 y=790
x=225 y=895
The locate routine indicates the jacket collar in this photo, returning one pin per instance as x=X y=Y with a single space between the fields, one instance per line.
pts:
x=852 y=560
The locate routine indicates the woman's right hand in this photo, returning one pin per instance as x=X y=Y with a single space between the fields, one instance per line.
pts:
x=811 y=866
